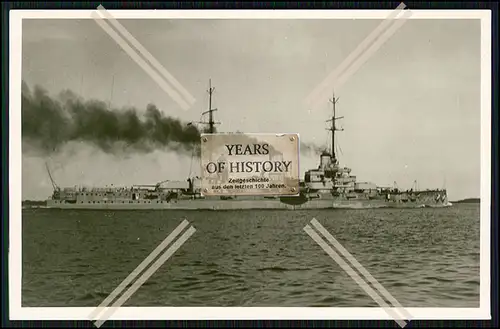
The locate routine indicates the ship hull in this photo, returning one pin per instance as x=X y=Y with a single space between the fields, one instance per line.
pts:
x=219 y=205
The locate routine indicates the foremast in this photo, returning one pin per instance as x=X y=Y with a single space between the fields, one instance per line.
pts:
x=330 y=177
x=333 y=128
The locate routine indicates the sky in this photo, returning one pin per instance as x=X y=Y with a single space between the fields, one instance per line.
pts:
x=411 y=112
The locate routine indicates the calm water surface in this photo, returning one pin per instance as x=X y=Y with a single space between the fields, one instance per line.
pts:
x=423 y=257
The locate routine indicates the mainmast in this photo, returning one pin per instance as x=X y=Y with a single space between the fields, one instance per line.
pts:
x=210 y=110
x=211 y=123
x=333 y=127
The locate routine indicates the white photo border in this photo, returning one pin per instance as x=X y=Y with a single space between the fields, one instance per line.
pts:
x=17 y=312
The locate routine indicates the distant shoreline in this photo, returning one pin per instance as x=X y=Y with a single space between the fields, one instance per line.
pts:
x=469 y=200
x=33 y=203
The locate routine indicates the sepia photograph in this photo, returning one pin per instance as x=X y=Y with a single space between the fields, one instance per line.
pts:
x=326 y=164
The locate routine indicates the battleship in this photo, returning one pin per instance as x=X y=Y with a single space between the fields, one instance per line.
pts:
x=328 y=186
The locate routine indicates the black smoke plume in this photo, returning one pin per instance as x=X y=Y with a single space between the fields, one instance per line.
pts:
x=312 y=148
x=49 y=123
